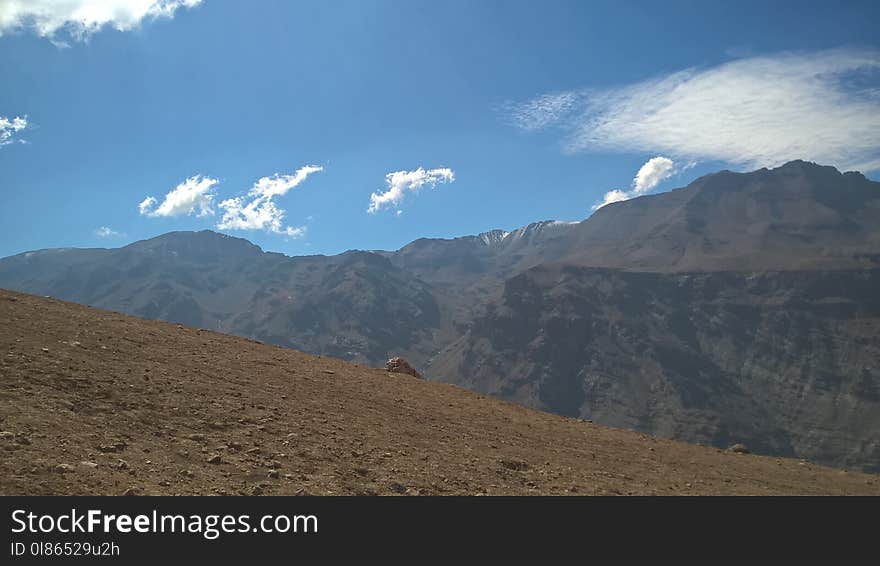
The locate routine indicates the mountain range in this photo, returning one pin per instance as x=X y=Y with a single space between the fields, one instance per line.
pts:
x=743 y=308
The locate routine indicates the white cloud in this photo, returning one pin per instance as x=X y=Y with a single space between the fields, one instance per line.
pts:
x=277 y=185
x=81 y=18
x=614 y=195
x=399 y=182
x=258 y=211
x=106 y=232
x=651 y=174
x=146 y=204
x=754 y=112
x=10 y=127
x=194 y=194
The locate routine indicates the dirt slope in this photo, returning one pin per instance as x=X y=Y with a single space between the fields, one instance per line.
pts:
x=95 y=402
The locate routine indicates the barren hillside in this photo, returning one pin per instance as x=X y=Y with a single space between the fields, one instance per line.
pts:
x=95 y=402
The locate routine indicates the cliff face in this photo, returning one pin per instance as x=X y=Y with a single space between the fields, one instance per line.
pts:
x=786 y=362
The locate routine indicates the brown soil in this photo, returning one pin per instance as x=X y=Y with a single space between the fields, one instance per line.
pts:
x=95 y=402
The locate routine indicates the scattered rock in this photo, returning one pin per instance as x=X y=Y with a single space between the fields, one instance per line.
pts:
x=273 y=474
x=399 y=365
x=131 y=491
x=115 y=447
x=88 y=464
x=515 y=465
x=45 y=349
x=214 y=459
x=328 y=372
x=197 y=437
x=397 y=487
x=63 y=468
x=739 y=449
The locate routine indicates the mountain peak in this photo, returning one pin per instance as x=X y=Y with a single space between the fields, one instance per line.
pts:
x=202 y=244
x=542 y=227
x=803 y=164
x=492 y=236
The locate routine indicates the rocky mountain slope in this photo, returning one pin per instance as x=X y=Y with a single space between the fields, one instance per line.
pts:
x=355 y=305
x=786 y=362
x=94 y=402
x=796 y=217
x=739 y=308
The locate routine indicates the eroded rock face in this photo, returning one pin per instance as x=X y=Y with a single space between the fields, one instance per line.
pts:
x=785 y=363
x=399 y=365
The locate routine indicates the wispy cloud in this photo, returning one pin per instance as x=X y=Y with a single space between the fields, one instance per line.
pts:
x=9 y=127
x=106 y=232
x=81 y=18
x=652 y=173
x=258 y=211
x=754 y=112
x=543 y=111
x=399 y=182
x=194 y=195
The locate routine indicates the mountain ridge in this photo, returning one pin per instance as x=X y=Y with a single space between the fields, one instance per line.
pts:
x=435 y=302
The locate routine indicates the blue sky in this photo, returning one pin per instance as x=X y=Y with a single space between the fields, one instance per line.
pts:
x=493 y=114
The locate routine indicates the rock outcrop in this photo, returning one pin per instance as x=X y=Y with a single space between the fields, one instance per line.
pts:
x=399 y=365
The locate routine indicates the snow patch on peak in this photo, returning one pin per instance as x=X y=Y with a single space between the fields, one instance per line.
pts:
x=493 y=237
x=540 y=227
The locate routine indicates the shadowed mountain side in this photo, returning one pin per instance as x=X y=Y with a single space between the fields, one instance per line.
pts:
x=786 y=362
x=355 y=305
